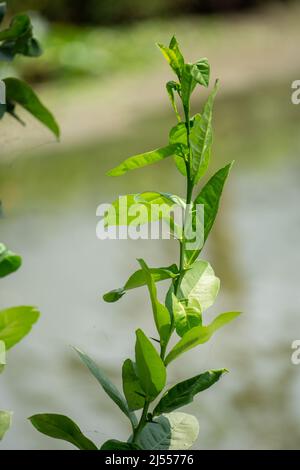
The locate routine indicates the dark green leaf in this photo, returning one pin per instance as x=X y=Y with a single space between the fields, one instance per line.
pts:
x=183 y=393
x=113 y=444
x=20 y=24
x=161 y=314
x=138 y=279
x=131 y=386
x=2 y=11
x=19 y=92
x=15 y=323
x=201 y=138
x=61 y=427
x=107 y=385
x=150 y=367
x=9 y=261
x=141 y=160
x=199 y=335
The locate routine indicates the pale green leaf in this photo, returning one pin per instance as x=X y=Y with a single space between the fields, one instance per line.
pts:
x=187 y=314
x=5 y=422
x=15 y=323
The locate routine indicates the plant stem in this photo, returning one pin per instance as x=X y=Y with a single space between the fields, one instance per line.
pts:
x=142 y=421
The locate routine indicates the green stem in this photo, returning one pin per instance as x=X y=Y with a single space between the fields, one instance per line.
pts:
x=142 y=421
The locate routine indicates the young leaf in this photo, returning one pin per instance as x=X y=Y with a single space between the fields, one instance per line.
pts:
x=61 y=427
x=141 y=160
x=188 y=84
x=2 y=355
x=19 y=92
x=173 y=431
x=15 y=323
x=131 y=386
x=107 y=386
x=173 y=56
x=173 y=87
x=187 y=314
x=120 y=212
x=161 y=314
x=183 y=393
x=210 y=196
x=5 y=422
x=9 y=261
x=201 y=283
x=150 y=367
x=201 y=138
x=138 y=279
x=113 y=444
x=199 y=335
x=201 y=72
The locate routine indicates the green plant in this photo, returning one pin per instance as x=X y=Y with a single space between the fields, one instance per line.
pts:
x=18 y=39
x=16 y=322
x=193 y=287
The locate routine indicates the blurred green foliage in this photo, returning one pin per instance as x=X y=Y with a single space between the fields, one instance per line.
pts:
x=122 y=11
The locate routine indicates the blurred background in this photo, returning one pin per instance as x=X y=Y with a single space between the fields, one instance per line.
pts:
x=104 y=79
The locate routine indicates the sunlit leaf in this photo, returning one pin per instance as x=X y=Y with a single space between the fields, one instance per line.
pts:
x=15 y=323
x=187 y=314
x=173 y=56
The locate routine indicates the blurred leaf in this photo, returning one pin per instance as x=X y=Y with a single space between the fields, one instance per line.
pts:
x=131 y=386
x=150 y=367
x=19 y=25
x=15 y=323
x=138 y=279
x=201 y=138
x=19 y=92
x=201 y=283
x=183 y=393
x=9 y=261
x=5 y=422
x=107 y=385
x=127 y=210
x=141 y=160
x=161 y=314
x=173 y=56
x=187 y=314
x=113 y=444
x=2 y=355
x=173 y=431
x=2 y=11
x=201 y=72
x=61 y=427
x=199 y=335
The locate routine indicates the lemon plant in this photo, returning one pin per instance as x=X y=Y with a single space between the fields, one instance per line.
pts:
x=193 y=286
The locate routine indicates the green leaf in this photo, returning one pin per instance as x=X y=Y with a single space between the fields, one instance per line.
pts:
x=150 y=367
x=201 y=283
x=161 y=314
x=5 y=422
x=19 y=92
x=141 y=160
x=210 y=196
x=20 y=24
x=131 y=386
x=126 y=210
x=138 y=279
x=2 y=11
x=201 y=138
x=173 y=87
x=61 y=427
x=173 y=56
x=113 y=444
x=199 y=335
x=188 y=84
x=9 y=261
x=201 y=72
x=183 y=393
x=178 y=135
x=15 y=323
x=187 y=314
x=173 y=431
x=107 y=385
x=2 y=355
